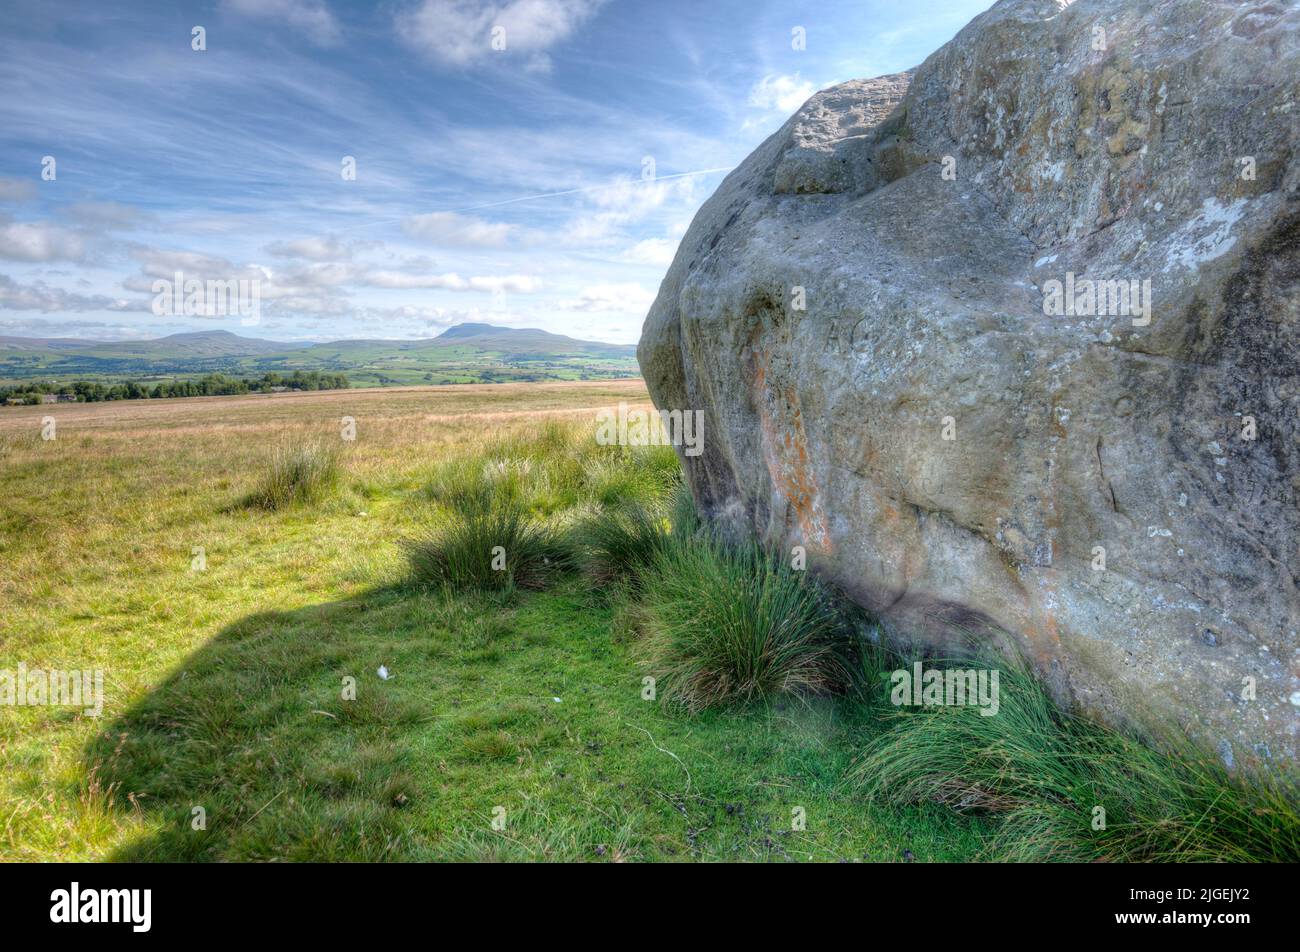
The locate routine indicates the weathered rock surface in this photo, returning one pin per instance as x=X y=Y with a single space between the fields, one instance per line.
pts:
x=1108 y=139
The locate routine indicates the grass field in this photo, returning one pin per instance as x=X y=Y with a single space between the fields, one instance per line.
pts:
x=223 y=685
x=307 y=657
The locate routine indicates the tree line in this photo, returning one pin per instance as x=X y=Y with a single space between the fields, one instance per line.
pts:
x=209 y=385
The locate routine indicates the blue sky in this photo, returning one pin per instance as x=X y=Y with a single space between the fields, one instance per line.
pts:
x=500 y=185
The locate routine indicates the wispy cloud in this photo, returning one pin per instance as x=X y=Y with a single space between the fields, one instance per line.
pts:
x=450 y=228
x=628 y=296
x=16 y=190
x=656 y=252
x=312 y=17
x=462 y=32
x=511 y=185
x=315 y=248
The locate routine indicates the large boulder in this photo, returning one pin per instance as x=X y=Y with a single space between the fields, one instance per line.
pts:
x=883 y=315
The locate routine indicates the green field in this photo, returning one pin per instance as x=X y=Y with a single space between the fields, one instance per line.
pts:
x=467 y=353
x=223 y=685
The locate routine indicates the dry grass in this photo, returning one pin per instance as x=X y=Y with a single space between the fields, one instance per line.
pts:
x=163 y=469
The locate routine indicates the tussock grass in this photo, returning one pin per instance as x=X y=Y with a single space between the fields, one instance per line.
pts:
x=613 y=483
x=620 y=544
x=1043 y=773
x=645 y=474
x=544 y=492
x=732 y=625
x=553 y=469
x=683 y=515
x=494 y=546
x=297 y=473
x=473 y=483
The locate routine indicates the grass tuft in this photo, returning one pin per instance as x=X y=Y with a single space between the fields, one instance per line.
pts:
x=733 y=625
x=620 y=544
x=297 y=473
x=1045 y=773
x=497 y=546
x=683 y=515
x=474 y=483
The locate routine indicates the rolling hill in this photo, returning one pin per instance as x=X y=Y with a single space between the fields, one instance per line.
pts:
x=465 y=353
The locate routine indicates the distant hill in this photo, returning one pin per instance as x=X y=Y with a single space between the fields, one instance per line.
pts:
x=197 y=344
x=465 y=353
x=526 y=340
x=43 y=343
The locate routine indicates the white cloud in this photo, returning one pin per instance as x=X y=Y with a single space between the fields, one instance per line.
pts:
x=657 y=252
x=628 y=297
x=364 y=275
x=452 y=229
x=321 y=248
x=514 y=283
x=459 y=32
x=494 y=284
x=39 y=296
x=450 y=281
x=628 y=202
x=312 y=17
x=85 y=330
x=426 y=318
x=40 y=241
x=310 y=289
x=781 y=92
x=633 y=199
x=411 y=273
x=320 y=287
x=163 y=263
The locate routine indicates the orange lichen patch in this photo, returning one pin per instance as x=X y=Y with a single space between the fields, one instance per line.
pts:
x=785 y=451
x=1042 y=631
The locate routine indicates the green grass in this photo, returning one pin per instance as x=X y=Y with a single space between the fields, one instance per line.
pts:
x=553 y=469
x=488 y=545
x=619 y=545
x=297 y=474
x=529 y=704
x=250 y=688
x=731 y=625
x=505 y=513
x=1065 y=788
x=225 y=686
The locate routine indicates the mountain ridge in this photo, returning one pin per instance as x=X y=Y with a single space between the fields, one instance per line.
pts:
x=466 y=352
